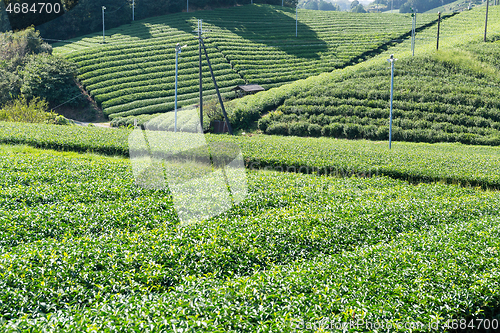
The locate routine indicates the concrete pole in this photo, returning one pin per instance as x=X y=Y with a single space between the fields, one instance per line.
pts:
x=177 y=50
x=103 y=35
x=391 y=60
x=486 y=20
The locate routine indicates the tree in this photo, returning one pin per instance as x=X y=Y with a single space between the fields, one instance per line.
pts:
x=10 y=86
x=359 y=9
x=354 y=4
x=49 y=77
x=17 y=45
x=22 y=110
x=323 y=5
x=4 y=19
x=405 y=8
x=312 y=5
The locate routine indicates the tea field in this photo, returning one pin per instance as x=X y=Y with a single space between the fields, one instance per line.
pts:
x=450 y=95
x=414 y=162
x=85 y=249
x=133 y=73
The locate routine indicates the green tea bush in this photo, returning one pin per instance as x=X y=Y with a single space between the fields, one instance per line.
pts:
x=314 y=130
x=277 y=129
x=334 y=130
x=299 y=128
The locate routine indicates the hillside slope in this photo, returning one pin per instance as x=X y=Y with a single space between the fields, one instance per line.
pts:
x=133 y=73
x=448 y=95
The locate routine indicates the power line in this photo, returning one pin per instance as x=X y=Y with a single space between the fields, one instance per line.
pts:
x=69 y=100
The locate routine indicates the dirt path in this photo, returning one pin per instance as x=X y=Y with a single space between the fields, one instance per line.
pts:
x=82 y=123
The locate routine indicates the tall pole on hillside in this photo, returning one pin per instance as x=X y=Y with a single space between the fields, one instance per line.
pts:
x=439 y=25
x=103 y=35
x=200 y=31
x=178 y=49
x=296 y=19
x=392 y=6
x=200 y=26
x=391 y=60
x=486 y=20
x=187 y=6
x=217 y=90
x=413 y=26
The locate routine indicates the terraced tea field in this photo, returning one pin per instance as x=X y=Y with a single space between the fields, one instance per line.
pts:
x=133 y=73
x=450 y=95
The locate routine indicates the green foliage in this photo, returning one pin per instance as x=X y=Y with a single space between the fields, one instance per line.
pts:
x=22 y=110
x=10 y=86
x=359 y=9
x=49 y=77
x=299 y=128
x=318 y=5
x=277 y=129
x=28 y=68
x=80 y=240
x=15 y=46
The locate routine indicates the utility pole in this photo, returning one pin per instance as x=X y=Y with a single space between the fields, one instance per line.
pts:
x=296 y=18
x=178 y=49
x=187 y=6
x=133 y=10
x=103 y=35
x=486 y=20
x=217 y=90
x=200 y=31
x=439 y=25
x=391 y=60
x=392 y=6
x=413 y=27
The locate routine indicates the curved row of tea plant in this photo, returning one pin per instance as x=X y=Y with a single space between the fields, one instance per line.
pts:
x=78 y=233
x=451 y=163
x=360 y=290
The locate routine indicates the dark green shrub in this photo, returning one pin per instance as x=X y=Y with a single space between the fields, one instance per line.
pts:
x=299 y=128
x=277 y=129
x=352 y=131
x=334 y=130
x=369 y=132
x=51 y=78
x=314 y=130
x=263 y=123
x=383 y=133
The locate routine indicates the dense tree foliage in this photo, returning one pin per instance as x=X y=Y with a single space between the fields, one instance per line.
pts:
x=422 y=5
x=28 y=68
x=318 y=5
